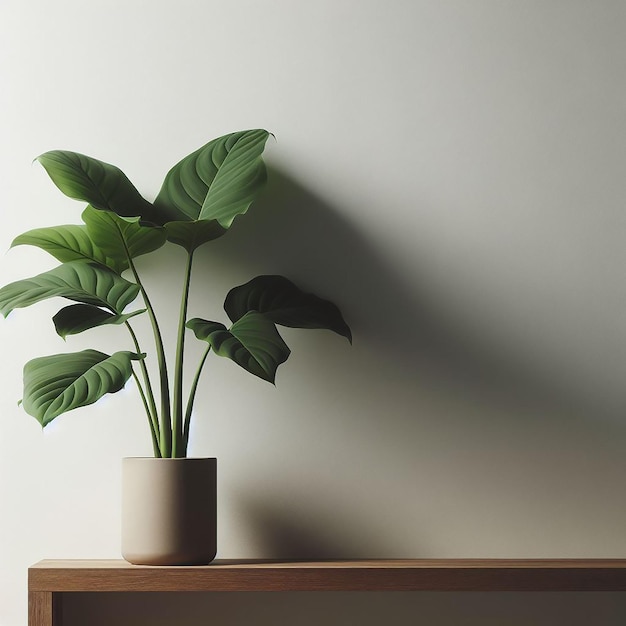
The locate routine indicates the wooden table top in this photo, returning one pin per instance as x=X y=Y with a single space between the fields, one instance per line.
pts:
x=337 y=575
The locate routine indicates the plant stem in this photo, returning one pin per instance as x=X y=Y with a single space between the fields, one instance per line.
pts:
x=177 y=426
x=192 y=397
x=166 y=420
x=155 y=438
x=152 y=410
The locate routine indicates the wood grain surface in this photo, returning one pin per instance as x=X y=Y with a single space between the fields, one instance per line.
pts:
x=360 y=575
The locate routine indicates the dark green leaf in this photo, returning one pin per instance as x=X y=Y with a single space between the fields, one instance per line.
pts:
x=252 y=342
x=76 y=280
x=285 y=304
x=70 y=242
x=102 y=185
x=191 y=235
x=119 y=237
x=61 y=382
x=77 y=318
x=217 y=182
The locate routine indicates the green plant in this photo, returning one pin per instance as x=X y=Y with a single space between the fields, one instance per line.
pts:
x=198 y=202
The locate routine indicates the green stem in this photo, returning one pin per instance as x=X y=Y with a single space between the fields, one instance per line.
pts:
x=192 y=397
x=155 y=439
x=152 y=410
x=166 y=419
x=177 y=427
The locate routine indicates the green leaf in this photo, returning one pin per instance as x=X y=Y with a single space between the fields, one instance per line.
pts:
x=101 y=184
x=217 y=182
x=70 y=242
x=77 y=318
x=61 y=382
x=252 y=342
x=191 y=235
x=76 y=280
x=119 y=237
x=285 y=304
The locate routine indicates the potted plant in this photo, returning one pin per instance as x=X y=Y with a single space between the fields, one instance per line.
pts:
x=164 y=520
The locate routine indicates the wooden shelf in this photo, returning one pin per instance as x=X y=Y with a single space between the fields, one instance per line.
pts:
x=365 y=575
x=47 y=580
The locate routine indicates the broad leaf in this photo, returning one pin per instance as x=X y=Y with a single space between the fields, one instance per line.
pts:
x=78 y=281
x=121 y=237
x=285 y=304
x=69 y=243
x=217 y=182
x=191 y=235
x=252 y=342
x=101 y=184
x=77 y=318
x=61 y=382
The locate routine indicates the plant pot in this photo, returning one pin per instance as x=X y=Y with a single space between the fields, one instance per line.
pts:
x=169 y=511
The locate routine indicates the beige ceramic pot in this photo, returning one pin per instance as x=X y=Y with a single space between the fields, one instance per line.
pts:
x=169 y=511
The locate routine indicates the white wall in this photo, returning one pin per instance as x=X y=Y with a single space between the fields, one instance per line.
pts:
x=451 y=173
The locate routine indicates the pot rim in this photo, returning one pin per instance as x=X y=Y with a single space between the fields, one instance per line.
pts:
x=154 y=458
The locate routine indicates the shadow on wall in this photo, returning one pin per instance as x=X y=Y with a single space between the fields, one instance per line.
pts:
x=398 y=329
x=292 y=232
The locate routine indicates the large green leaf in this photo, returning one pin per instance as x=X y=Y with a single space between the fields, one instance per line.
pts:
x=70 y=242
x=77 y=318
x=252 y=342
x=191 y=235
x=61 y=382
x=285 y=304
x=76 y=280
x=121 y=237
x=217 y=182
x=101 y=184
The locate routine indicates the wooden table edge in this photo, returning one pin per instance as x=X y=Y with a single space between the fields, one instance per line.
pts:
x=337 y=575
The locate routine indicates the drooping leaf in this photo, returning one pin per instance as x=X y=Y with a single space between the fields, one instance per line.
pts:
x=217 y=182
x=77 y=318
x=70 y=242
x=76 y=280
x=118 y=236
x=61 y=382
x=285 y=304
x=191 y=235
x=252 y=342
x=101 y=184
